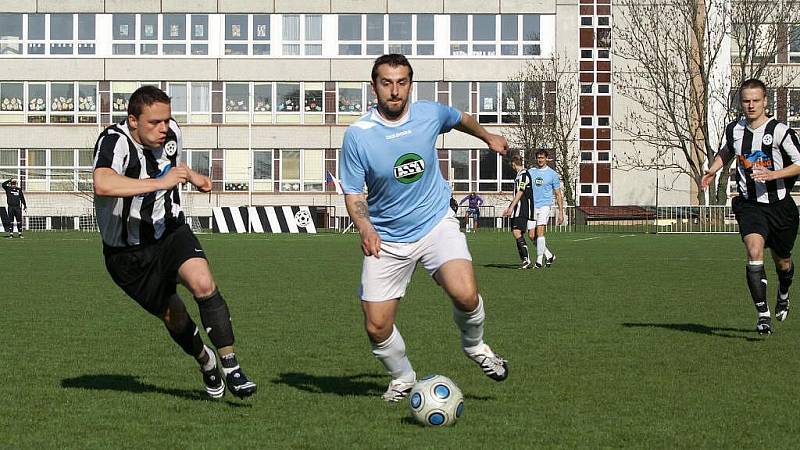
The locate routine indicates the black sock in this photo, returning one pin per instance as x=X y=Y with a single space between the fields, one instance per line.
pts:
x=522 y=248
x=785 y=279
x=757 y=283
x=216 y=319
x=189 y=339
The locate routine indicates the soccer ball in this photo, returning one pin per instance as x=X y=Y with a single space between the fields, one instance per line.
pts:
x=436 y=401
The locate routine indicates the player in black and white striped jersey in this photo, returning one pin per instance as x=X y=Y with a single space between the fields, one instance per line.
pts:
x=767 y=156
x=521 y=209
x=148 y=247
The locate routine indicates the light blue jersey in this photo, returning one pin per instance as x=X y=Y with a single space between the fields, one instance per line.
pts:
x=406 y=193
x=545 y=181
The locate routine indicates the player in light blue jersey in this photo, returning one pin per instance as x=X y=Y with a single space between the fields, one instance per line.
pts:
x=546 y=184
x=404 y=216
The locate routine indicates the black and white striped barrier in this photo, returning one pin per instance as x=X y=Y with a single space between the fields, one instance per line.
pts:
x=263 y=219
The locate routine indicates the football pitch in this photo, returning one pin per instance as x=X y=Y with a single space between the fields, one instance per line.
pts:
x=629 y=340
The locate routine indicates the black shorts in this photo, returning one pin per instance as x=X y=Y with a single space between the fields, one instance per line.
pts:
x=776 y=222
x=149 y=274
x=474 y=213
x=520 y=221
x=15 y=214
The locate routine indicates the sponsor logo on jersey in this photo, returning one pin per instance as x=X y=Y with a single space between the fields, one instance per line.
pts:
x=409 y=168
x=767 y=140
x=398 y=134
x=539 y=181
x=171 y=148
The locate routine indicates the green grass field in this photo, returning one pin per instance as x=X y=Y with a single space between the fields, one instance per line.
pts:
x=636 y=341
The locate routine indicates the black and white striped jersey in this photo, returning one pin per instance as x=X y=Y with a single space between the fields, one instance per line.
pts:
x=522 y=182
x=772 y=145
x=141 y=219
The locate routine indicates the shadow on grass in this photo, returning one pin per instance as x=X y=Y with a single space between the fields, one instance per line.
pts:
x=130 y=383
x=502 y=266
x=360 y=384
x=697 y=328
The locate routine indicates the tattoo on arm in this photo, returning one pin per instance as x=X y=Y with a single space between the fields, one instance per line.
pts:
x=361 y=209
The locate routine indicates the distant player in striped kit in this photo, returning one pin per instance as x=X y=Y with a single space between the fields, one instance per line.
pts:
x=521 y=209
x=767 y=165
x=147 y=244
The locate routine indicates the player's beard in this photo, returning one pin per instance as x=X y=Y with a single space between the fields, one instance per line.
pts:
x=392 y=113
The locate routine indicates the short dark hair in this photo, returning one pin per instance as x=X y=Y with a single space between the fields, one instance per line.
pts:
x=541 y=151
x=145 y=96
x=394 y=60
x=753 y=83
x=517 y=160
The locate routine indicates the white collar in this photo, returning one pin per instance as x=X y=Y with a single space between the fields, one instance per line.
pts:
x=377 y=117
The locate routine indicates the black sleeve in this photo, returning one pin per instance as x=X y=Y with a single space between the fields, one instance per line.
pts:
x=22 y=198
x=5 y=184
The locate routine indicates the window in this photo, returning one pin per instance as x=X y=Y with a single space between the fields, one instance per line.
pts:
x=313 y=170
x=794 y=44
x=62 y=102
x=586 y=189
x=174 y=34
x=120 y=93
x=490 y=35
x=262 y=102
x=487 y=170
x=261 y=34
x=793 y=107
x=178 y=94
x=510 y=102
x=199 y=34
x=487 y=103
x=36 y=34
x=61 y=34
x=460 y=96
x=459 y=170
x=287 y=102
x=235 y=33
x=11 y=34
x=400 y=34
x=124 y=34
x=350 y=100
x=237 y=102
x=200 y=102
x=302 y=34
x=11 y=102
x=426 y=90
x=290 y=170
x=350 y=34
x=313 y=103
x=408 y=34
x=262 y=164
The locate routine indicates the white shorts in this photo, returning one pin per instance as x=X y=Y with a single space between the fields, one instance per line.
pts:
x=387 y=277
x=540 y=217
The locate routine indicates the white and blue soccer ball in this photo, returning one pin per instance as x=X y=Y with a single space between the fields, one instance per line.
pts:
x=436 y=401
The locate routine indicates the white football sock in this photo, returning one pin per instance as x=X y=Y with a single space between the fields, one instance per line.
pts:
x=470 y=324
x=212 y=360
x=541 y=247
x=392 y=353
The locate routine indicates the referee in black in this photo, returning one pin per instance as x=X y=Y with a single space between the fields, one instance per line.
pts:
x=16 y=203
x=767 y=166
x=521 y=209
x=148 y=247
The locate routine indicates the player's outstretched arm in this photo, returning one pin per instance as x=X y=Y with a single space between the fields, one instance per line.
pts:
x=711 y=172
x=469 y=125
x=359 y=213
x=200 y=181
x=108 y=183
x=6 y=184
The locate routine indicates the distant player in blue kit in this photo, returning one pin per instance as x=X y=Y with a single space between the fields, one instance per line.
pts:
x=405 y=217
x=545 y=185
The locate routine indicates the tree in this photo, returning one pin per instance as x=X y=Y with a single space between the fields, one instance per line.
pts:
x=680 y=60
x=546 y=95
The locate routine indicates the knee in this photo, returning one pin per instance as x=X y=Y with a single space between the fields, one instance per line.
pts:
x=466 y=299
x=202 y=286
x=378 y=331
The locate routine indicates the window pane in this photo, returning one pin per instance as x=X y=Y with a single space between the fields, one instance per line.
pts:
x=261 y=49
x=236 y=27
x=11 y=26
x=237 y=49
x=375 y=27
x=459 y=162
x=174 y=27
x=487 y=101
x=174 y=49
x=148 y=49
x=62 y=97
x=177 y=93
x=61 y=27
x=349 y=49
x=287 y=97
x=349 y=27
x=262 y=97
x=314 y=27
x=313 y=49
x=424 y=49
x=237 y=96
x=424 y=27
x=123 y=26
x=313 y=170
x=149 y=27
x=201 y=161
x=262 y=165
x=374 y=49
x=86 y=27
x=458 y=27
x=201 y=97
x=483 y=27
x=199 y=27
x=86 y=97
x=291 y=28
x=11 y=97
x=35 y=26
x=37 y=158
x=459 y=92
x=488 y=165
x=530 y=27
x=85 y=157
x=349 y=99
x=400 y=27
x=508 y=27
x=426 y=90
x=290 y=165
x=37 y=97
x=403 y=49
x=261 y=27
x=313 y=97
x=62 y=157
